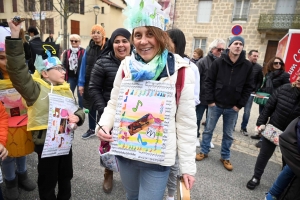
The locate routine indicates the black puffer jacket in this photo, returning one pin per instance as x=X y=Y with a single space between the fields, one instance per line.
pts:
x=282 y=107
x=229 y=84
x=278 y=77
x=93 y=51
x=102 y=79
x=203 y=64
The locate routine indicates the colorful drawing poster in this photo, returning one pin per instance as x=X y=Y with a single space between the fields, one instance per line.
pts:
x=12 y=102
x=59 y=137
x=142 y=118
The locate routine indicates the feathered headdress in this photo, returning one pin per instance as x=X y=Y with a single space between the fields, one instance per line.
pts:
x=45 y=64
x=145 y=13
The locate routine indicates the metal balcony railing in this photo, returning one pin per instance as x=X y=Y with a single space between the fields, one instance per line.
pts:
x=279 y=22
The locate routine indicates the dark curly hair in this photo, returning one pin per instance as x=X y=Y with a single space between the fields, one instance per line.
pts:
x=269 y=67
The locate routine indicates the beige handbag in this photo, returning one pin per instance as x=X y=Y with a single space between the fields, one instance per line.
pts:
x=182 y=192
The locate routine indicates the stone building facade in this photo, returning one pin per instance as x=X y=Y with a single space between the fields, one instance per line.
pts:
x=204 y=21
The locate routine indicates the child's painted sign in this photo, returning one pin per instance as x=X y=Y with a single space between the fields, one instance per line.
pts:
x=12 y=101
x=142 y=119
x=59 y=137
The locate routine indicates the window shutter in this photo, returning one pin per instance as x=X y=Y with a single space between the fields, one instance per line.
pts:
x=42 y=5
x=51 y=25
x=14 y=4
x=51 y=5
x=1 y=6
x=43 y=26
x=82 y=7
x=204 y=10
x=25 y=6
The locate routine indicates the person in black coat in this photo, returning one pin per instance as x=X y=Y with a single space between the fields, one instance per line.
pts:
x=102 y=79
x=34 y=43
x=275 y=76
x=282 y=107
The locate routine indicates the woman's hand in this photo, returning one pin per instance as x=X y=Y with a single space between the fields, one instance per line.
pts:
x=3 y=152
x=81 y=90
x=102 y=135
x=188 y=181
x=15 y=29
x=73 y=119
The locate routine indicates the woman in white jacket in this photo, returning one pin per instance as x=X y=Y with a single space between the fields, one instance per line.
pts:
x=144 y=173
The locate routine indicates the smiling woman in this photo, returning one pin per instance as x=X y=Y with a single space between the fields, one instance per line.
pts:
x=144 y=163
x=102 y=78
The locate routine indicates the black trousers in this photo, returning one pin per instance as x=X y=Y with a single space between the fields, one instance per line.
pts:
x=266 y=151
x=52 y=170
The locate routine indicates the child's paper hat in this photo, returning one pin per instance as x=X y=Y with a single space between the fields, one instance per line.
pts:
x=4 y=32
x=45 y=64
x=145 y=13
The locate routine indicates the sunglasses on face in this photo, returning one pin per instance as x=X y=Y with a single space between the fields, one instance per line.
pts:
x=73 y=41
x=276 y=63
x=220 y=49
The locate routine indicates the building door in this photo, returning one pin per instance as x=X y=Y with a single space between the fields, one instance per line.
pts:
x=75 y=27
x=271 y=51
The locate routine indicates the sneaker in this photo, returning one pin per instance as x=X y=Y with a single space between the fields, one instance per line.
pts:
x=255 y=137
x=201 y=156
x=244 y=132
x=227 y=164
x=88 y=134
x=270 y=197
x=198 y=143
x=253 y=183
x=212 y=146
x=258 y=145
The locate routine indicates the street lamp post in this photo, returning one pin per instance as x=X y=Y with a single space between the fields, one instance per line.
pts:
x=96 y=11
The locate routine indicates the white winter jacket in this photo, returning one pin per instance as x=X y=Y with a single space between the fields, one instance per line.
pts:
x=182 y=127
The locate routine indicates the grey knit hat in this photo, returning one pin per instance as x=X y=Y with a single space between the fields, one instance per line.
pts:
x=236 y=38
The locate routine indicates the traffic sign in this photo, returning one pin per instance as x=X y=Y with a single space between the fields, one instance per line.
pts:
x=236 y=29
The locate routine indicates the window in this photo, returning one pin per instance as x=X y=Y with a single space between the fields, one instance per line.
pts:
x=1 y=6
x=102 y=10
x=241 y=10
x=74 y=6
x=204 y=10
x=199 y=43
x=29 y=22
x=46 y=5
x=14 y=5
x=3 y=20
x=29 y=5
x=47 y=26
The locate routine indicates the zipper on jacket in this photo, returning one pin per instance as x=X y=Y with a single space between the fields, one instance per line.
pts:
x=230 y=75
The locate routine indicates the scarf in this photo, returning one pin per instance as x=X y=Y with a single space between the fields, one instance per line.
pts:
x=147 y=71
x=73 y=60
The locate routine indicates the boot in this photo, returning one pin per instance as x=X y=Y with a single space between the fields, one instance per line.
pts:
x=25 y=183
x=108 y=179
x=12 y=191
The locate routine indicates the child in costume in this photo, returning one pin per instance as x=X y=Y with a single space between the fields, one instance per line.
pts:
x=14 y=167
x=48 y=78
x=3 y=137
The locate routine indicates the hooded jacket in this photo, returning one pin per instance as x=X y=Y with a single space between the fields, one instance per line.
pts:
x=229 y=84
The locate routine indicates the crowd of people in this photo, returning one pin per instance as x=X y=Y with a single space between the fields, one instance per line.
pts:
x=108 y=73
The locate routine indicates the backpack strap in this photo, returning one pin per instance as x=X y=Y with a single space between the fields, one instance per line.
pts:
x=179 y=83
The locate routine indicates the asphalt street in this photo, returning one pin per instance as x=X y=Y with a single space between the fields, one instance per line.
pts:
x=213 y=181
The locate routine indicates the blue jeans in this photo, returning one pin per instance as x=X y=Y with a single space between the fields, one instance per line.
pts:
x=246 y=115
x=229 y=118
x=9 y=167
x=141 y=180
x=199 y=113
x=282 y=181
x=73 y=83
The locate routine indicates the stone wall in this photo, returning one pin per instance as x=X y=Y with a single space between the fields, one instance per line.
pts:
x=221 y=23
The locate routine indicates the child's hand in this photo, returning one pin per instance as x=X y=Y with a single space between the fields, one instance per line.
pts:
x=73 y=119
x=15 y=29
x=3 y=152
